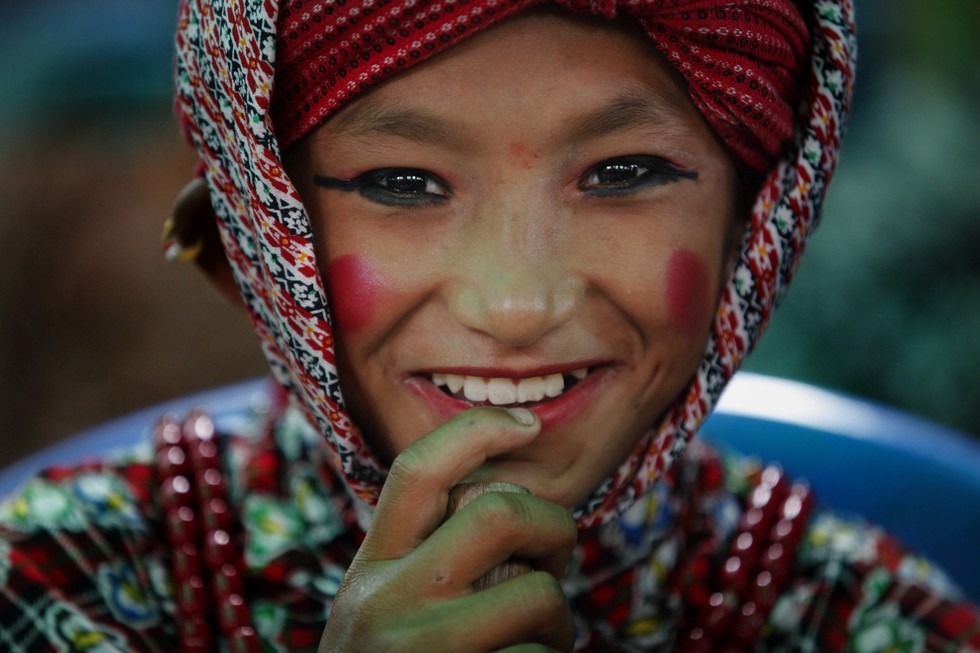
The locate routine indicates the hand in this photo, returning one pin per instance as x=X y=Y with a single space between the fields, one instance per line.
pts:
x=409 y=587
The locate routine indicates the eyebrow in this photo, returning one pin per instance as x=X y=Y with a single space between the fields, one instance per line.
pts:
x=635 y=108
x=369 y=120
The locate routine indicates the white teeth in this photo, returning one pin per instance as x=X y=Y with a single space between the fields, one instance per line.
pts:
x=454 y=382
x=501 y=391
x=554 y=384
x=475 y=388
x=531 y=389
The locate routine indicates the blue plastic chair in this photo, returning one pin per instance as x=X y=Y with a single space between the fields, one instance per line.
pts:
x=917 y=479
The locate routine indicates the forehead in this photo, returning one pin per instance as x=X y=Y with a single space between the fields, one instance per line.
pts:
x=580 y=78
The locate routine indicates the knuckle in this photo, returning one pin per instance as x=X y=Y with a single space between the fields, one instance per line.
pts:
x=546 y=601
x=544 y=594
x=500 y=513
x=561 y=521
x=407 y=466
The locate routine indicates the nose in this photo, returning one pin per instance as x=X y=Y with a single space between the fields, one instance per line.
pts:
x=515 y=278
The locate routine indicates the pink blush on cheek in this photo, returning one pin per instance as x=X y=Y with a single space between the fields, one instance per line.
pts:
x=356 y=288
x=687 y=288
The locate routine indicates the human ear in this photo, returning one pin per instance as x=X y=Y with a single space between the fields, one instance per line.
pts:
x=191 y=235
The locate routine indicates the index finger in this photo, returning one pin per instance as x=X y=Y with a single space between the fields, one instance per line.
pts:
x=413 y=501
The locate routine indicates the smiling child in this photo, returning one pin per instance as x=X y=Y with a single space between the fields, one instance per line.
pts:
x=499 y=241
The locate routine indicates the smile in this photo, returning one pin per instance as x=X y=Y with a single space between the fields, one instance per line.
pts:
x=505 y=391
x=557 y=395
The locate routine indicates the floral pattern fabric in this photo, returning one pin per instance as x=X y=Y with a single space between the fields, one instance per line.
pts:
x=85 y=561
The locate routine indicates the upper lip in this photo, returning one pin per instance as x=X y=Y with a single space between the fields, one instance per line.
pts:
x=513 y=372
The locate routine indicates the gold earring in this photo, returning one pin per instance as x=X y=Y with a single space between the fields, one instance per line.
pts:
x=174 y=249
x=182 y=238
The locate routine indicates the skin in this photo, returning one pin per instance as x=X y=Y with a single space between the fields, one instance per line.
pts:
x=687 y=285
x=512 y=267
x=358 y=290
x=518 y=260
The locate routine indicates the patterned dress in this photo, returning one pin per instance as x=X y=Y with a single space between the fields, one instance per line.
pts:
x=722 y=555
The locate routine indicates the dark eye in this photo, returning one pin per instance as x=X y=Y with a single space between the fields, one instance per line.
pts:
x=394 y=186
x=409 y=183
x=628 y=174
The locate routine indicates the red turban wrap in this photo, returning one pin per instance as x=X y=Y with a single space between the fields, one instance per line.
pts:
x=741 y=61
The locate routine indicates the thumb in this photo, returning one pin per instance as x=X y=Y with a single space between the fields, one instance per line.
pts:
x=413 y=501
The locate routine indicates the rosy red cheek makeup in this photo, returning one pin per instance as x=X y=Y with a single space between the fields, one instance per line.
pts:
x=356 y=288
x=687 y=287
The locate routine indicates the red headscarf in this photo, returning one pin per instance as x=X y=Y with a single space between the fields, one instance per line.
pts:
x=741 y=59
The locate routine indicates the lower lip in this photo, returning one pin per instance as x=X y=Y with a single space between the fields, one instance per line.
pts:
x=553 y=413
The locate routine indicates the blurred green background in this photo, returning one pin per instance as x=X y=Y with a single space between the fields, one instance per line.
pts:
x=886 y=304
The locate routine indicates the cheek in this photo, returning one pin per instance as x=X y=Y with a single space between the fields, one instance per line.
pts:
x=356 y=292
x=688 y=291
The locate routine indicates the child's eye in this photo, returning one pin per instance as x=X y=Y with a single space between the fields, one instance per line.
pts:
x=394 y=186
x=404 y=185
x=627 y=174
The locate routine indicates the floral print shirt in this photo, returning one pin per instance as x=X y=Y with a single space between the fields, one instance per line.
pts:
x=87 y=561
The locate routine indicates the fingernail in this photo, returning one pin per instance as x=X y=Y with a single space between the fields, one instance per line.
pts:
x=522 y=416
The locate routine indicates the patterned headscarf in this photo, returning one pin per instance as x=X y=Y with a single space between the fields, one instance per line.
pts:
x=742 y=60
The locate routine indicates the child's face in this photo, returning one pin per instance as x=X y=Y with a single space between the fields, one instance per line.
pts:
x=540 y=200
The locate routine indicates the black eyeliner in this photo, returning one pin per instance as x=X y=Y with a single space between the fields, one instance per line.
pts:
x=680 y=173
x=371 y=186
x=661 y=172
x=337 y=183
x=669 y=171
